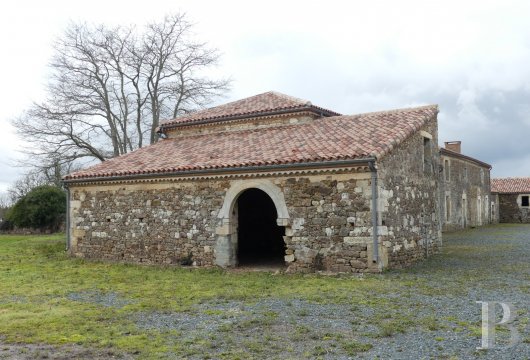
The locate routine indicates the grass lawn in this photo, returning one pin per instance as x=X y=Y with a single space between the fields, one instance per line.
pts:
x=157 y=312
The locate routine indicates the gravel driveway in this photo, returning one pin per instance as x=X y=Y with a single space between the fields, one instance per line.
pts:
x=485 y=264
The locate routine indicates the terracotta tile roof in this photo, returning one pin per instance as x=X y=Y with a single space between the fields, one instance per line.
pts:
x=258 y=105
x=325 y=139
x=511 y=185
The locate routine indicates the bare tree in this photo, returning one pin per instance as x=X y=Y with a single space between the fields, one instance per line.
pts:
x=5 y=201
x=25 y=184
x=49 y=172
x=110 y=87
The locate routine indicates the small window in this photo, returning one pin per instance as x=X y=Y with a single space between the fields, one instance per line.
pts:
x=427 y=155
x=465 y=173
x=447 y=170
x=525 y=200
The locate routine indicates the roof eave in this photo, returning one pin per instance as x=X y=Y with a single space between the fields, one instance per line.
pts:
x=216 y=171
x=447 y=152
x=510 y=192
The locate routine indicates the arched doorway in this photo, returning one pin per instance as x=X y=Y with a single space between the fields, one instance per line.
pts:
x=259 y=238
x=227 y=230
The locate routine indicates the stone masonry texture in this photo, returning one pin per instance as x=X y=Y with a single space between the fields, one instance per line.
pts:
x=409 y=218
x=510 y=209
x=463 y=183
x=329 y=226
x=169 y=223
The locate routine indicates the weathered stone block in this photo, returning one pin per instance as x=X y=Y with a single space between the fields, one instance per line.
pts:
x=354 y=240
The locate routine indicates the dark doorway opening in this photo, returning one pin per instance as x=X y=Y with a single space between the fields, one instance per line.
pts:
x=260 y=239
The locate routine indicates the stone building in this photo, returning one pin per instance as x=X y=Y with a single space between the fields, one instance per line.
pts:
x=267 y=179
x=465 y=196
x=513 y=197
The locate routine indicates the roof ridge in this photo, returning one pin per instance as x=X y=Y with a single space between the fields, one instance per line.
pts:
x=288 y=97
x=398 y=110
x=272 y=92
x=264 y=103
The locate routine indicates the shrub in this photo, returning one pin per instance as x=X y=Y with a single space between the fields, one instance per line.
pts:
x=44 y=208
x=6 y=225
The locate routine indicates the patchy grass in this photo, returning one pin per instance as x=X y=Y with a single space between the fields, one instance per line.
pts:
x=47 y=297
x=38 y=278
x=354 y=347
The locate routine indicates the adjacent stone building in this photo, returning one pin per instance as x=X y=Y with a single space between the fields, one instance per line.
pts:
x=513 y=197
x=465 y=196
x=268 y=179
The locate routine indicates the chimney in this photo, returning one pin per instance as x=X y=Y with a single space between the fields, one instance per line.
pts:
x=454 y=146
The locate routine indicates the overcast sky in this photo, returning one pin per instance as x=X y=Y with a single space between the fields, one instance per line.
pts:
x=471 y=58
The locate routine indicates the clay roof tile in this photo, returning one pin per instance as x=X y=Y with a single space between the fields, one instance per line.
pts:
x=513 y=185
x=259 y=105
x=325 y=139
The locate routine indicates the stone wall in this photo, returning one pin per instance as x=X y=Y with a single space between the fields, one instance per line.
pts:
x=172 y=221
x=242 y=124
x=464 y=183
x=146 y=223
x=331 y=224
x=409 y=216
x=510 y=209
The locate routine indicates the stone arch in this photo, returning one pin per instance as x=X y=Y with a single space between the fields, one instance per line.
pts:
x=226 y=232
x=274 y=192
